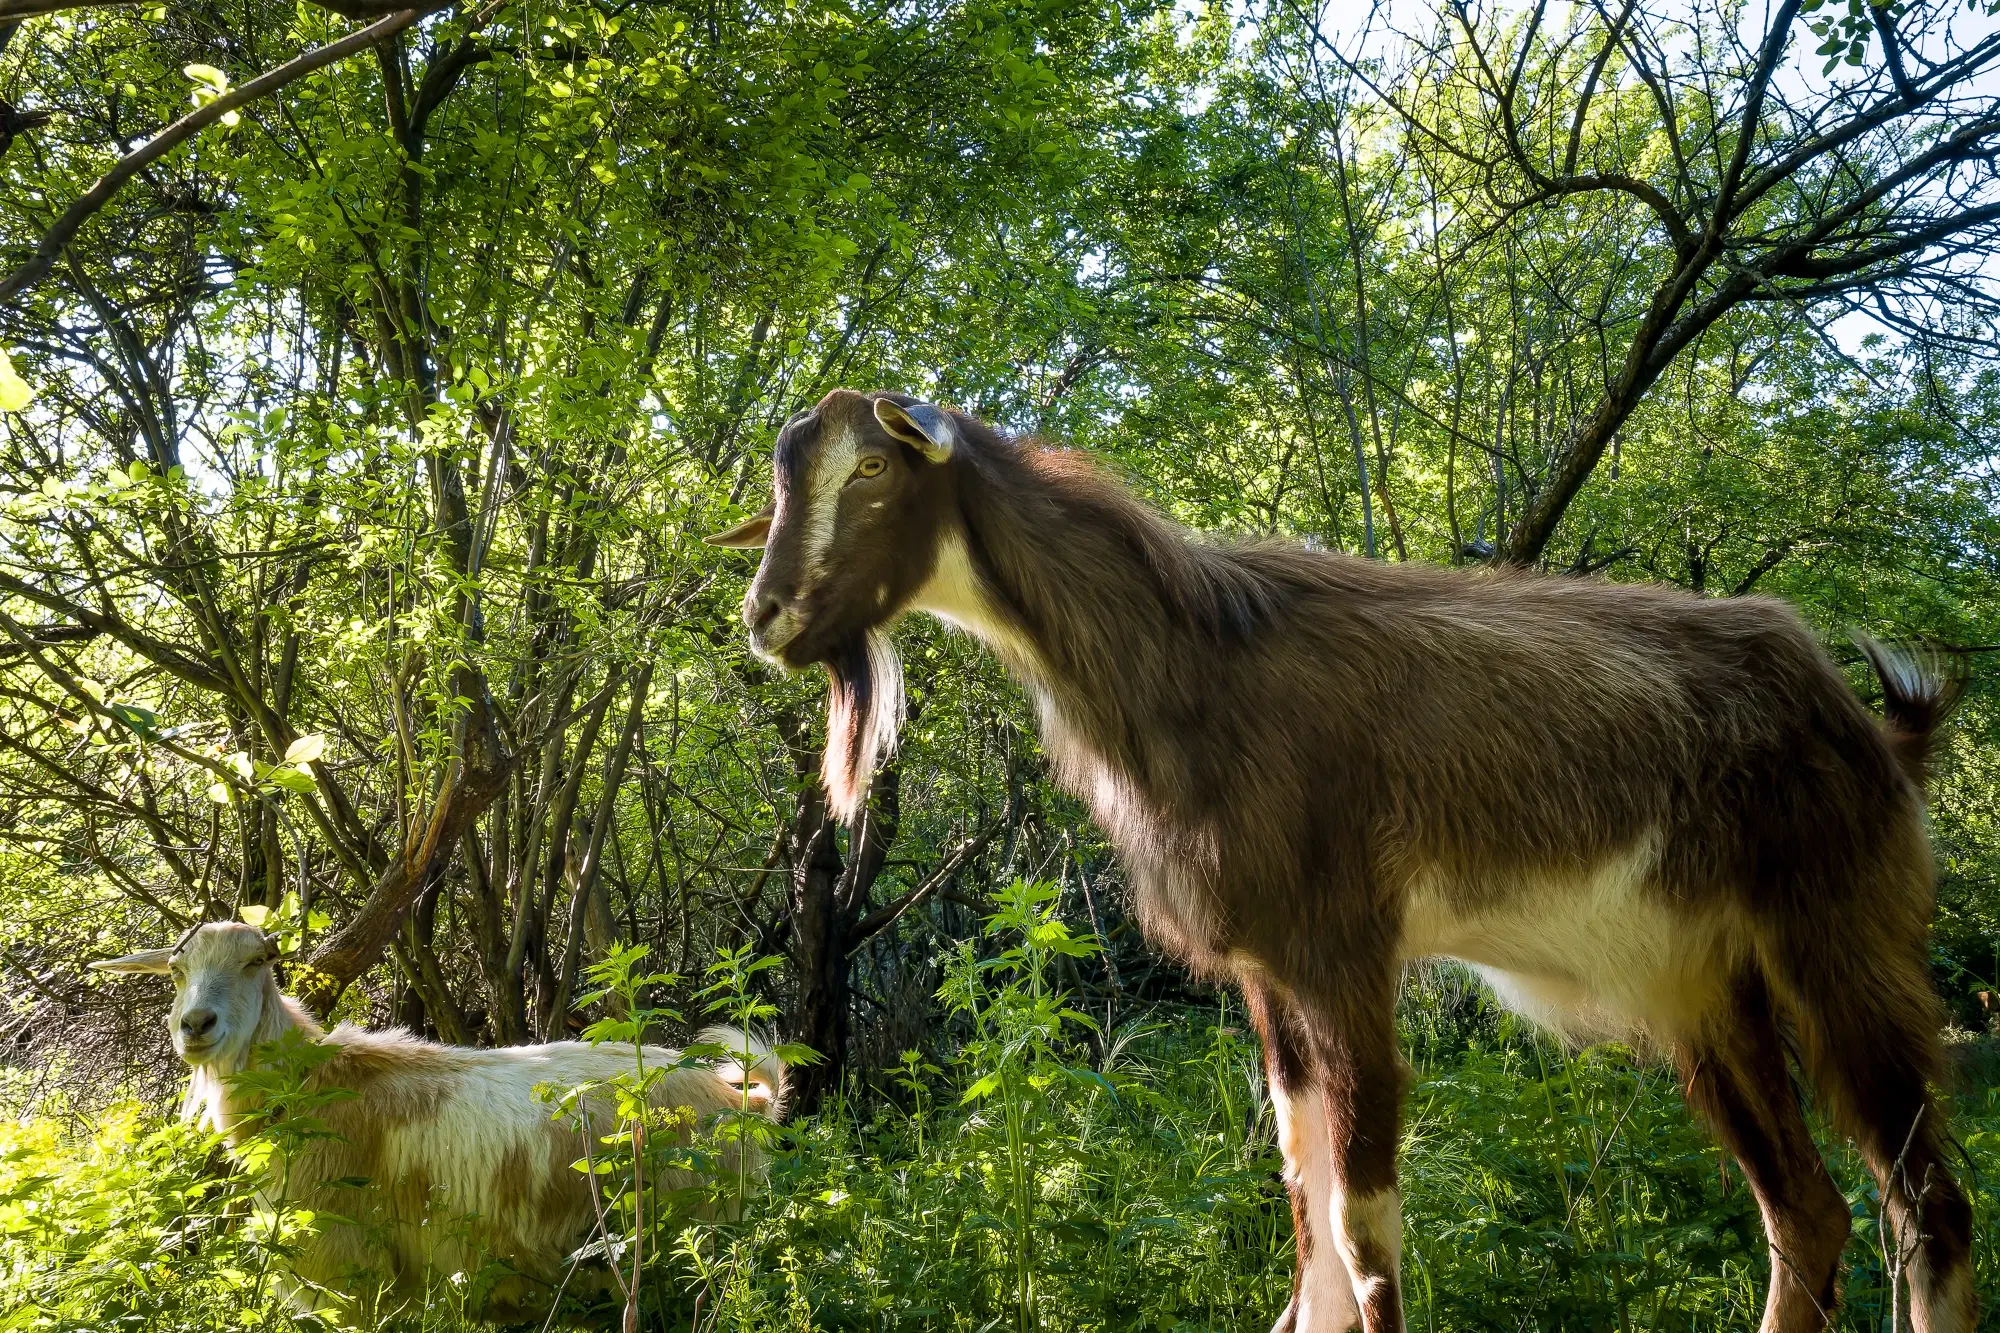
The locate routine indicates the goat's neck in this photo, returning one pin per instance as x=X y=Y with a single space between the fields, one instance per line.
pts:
x=1063 y=586
x=210 y=1101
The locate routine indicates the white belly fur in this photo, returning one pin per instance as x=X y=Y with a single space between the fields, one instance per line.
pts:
x=1594 y=956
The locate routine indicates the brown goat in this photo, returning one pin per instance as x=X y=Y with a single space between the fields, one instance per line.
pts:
x=1636 y=812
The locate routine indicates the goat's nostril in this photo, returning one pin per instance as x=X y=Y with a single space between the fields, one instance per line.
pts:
x=198 y=1022
x=760 y=609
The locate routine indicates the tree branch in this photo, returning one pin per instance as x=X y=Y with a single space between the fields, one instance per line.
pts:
x=1892 y=49
x=884 y=917
x=170 y=138
x=1752 y=121
x=160 y=654
x=1612 y=29
x=441 y=76
x=463 y=796
x=1945 y=76
x=27 y=9
x=1643 y=191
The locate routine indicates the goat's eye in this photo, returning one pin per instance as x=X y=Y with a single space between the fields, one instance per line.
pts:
x=871 y=466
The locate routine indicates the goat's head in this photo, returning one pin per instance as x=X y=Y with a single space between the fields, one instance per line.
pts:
x=860 y=503
x=223 y=990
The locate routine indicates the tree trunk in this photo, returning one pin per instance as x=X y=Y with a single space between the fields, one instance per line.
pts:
x=819 y=952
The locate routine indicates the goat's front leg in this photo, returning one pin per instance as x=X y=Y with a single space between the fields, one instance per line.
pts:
x=1361 y=1075
x=1322 y=1290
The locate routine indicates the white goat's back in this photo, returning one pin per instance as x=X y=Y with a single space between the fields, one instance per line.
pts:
x=468 y=1165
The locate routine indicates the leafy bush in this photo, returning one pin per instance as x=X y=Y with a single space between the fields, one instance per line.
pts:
x=132 y=1227
x=1056 y=1173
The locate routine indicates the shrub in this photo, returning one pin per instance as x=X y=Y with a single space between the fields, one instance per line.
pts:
x=1054 y=1171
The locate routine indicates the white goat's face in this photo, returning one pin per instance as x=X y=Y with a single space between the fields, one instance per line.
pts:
x=222 y=983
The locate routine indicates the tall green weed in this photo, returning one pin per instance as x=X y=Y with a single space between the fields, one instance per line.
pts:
x=1053 y=1170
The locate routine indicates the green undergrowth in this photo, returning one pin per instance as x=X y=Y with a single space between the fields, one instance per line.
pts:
x=1053 y=1173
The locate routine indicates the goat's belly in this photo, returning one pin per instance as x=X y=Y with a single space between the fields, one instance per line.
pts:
x=1601 y=955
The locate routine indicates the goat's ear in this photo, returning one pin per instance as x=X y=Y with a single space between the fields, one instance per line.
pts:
x=151 y=962
x=273 y=951
x=748 y=535
x=924 y=428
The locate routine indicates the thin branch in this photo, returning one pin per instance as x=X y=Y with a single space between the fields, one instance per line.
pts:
x=1885 y=25
x=1751 y=122
x=883 y=917
x=170 y=138
x=1612 y=31
x=27 y=9
x=1944 y=77
x=1908 y=242
x=1644 y=192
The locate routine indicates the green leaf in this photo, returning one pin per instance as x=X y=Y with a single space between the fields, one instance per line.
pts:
x=292 y=779
x=15 y=395
x=141 y=720
x=306 y=748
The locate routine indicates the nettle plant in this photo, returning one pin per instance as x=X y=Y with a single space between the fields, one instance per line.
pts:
x=641 y=1220
x=736 y=1013
x=1021 y=1026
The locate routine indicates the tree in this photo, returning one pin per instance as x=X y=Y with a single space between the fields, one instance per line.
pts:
x=354 y=519
x=348 y=556
x=1728 y=171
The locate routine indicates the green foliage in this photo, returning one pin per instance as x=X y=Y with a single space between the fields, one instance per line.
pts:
x=1084 y=1179
x=396 y=405
x=151 y=1224
x=1018 y=1034
x=127 y=1227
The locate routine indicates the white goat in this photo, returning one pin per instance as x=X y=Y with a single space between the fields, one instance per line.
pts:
x=467 y=1167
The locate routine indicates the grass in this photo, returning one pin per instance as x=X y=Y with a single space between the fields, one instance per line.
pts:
x=1052 y=1175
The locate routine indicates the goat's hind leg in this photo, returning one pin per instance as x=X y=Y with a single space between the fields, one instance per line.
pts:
x=1872 y=1049
x=1736 y=1078
x=1322 y=1290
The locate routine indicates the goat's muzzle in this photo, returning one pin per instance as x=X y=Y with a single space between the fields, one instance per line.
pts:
x=775 y=625
x=760 y=609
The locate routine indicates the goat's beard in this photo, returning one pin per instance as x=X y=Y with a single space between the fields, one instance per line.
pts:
x=864 y=711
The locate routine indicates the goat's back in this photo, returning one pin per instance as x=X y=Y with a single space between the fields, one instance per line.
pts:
x=1377 y=724
x=1527 y=717
x=467 y=1159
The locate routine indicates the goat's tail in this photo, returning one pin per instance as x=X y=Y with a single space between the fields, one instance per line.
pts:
x=751 y=1065
x=1920 y=689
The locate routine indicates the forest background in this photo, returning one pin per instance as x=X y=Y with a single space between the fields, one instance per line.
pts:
x=360 y=422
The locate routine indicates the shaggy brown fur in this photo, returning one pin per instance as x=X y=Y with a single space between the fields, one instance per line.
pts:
x=1637 y=812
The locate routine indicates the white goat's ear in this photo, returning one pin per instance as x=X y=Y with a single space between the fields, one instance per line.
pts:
x=748 y=535
x=151 y=962
x=925 y=428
